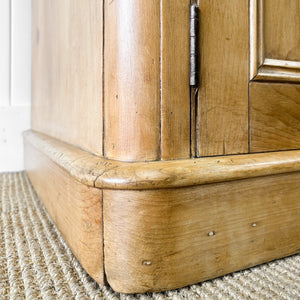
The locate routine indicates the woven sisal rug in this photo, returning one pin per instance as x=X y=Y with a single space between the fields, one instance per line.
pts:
x=36 y=263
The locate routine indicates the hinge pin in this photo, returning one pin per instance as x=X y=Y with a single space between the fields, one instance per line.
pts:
x=194 y=45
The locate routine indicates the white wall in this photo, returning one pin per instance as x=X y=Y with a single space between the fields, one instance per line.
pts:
x=15 y=81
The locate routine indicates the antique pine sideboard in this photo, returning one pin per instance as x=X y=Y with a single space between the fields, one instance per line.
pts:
x=163 y=142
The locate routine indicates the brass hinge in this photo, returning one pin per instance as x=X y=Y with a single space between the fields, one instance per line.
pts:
x=194 y=45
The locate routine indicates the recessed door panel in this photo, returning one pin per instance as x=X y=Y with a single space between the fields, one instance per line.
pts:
x=274 y=93
x=275 y=40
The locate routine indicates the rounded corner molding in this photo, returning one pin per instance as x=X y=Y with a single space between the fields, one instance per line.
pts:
x=103 y=173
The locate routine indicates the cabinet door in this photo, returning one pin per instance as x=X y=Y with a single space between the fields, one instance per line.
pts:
x=249 y=92
x=275 y=75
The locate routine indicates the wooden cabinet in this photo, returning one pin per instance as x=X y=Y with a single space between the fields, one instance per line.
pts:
x=158 y=183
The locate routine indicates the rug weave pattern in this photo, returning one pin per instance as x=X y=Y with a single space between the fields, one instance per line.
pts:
x=36 y=263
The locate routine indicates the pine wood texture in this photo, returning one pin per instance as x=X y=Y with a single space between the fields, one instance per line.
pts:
x=109 y=174
x=75 y=208
x=147 y=93
x=175 y=89
x=275 y=40
x=274 y=116
x=223 y=93
x=165 y=239
x=67 y=71
x=159 y=238
x=282 y=29
x=132 y=80
x=111 y=103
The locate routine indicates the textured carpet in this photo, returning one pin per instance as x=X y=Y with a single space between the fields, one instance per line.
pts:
x=36 y=263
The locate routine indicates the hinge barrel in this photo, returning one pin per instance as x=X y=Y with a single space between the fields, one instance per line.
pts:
x=194 y=45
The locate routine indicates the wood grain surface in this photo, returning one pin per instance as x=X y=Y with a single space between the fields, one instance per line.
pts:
x=275 y=73
x=132 y=80
x=275 y=40
x=175 y=89
x=165 y=239
x=224 y=75
x=111 y=95
x=154 y=238
x=109 y=174
x=274 y=116
x=281 y=21
x=67 y=71
x=75 y=208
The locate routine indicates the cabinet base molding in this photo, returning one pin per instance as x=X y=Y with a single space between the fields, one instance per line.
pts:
x=163 y=225
x=75 y=208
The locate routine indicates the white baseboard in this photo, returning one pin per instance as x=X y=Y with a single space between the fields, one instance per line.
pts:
x=13 y=121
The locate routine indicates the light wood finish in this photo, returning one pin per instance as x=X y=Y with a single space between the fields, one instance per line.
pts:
x=255 y=36
x=67 y=71
x=165 y=239
x=275 y=72
x=159 y=238
x=132 y=80
x=223 y=93
x=166 y=224
x=109 y=174
x=75 y=208
x=274 y=116
x=175 y=89
x=275 y=40
x=274 y=56
x=282 y=29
